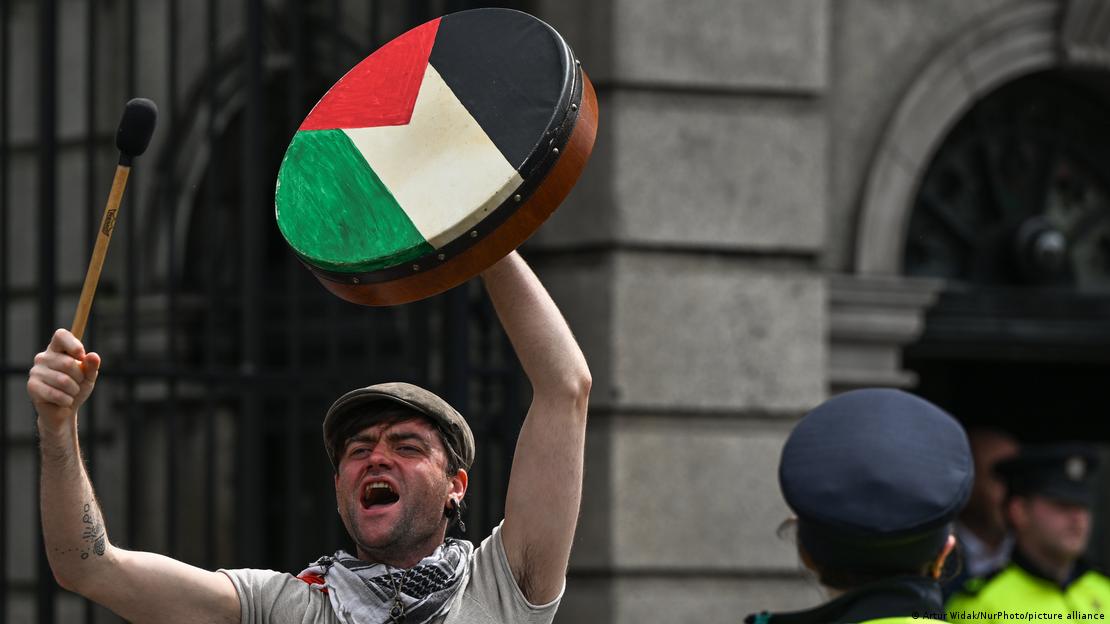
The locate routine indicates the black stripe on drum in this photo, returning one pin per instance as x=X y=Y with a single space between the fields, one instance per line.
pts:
x=511 y=71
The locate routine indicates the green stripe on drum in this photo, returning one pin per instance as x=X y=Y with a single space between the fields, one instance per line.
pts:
x=334 y=210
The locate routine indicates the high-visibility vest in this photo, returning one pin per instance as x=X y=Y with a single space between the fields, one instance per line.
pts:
x=1014 y=590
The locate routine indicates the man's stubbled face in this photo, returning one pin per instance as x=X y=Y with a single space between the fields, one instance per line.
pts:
x=391 y=489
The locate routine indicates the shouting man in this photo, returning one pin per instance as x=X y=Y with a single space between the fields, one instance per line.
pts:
x=401 y=456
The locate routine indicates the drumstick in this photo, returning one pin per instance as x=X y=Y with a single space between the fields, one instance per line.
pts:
x=135 y=129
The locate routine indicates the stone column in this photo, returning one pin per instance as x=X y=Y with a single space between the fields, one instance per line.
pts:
x=685 y=262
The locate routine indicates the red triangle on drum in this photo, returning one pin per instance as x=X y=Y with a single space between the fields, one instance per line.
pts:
x=382 y=89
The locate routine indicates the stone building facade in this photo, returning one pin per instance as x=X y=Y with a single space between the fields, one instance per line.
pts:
x=735 y=254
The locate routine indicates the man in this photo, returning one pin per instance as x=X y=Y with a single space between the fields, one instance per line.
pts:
x=983 y=538
x=1050 y=493
x=400 y=455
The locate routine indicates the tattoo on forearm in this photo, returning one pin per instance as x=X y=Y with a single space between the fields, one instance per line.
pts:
x=93 y=533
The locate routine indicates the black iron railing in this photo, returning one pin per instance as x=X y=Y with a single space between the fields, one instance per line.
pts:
x=220 y=351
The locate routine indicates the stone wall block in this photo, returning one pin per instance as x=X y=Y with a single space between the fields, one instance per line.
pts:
x=698 y=494
x=586 y=217
x=593 y=538
x=720 y=172
x=581 y=286
x=587 y=26
x=705 y=333
x=632 y=600
x=723 y=44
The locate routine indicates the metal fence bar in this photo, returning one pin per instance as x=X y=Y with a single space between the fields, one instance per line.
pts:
x=88 y=414
x=169 y=206
x=335 y=69
x=130 y=312
x=373 y=19
x=456 y=388
x=209 y=280
x=249 y=430
x=5 y=189
x=294 y=428
x=47 y=267
x=337 y=37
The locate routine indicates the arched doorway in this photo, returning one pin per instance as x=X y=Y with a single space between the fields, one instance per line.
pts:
x=1025 y=85
x=1013 y=214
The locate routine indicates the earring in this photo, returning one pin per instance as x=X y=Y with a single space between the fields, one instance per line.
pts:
x=458 y=517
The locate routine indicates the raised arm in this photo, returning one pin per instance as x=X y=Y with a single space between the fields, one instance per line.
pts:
x=545 y=486
x=141 y=587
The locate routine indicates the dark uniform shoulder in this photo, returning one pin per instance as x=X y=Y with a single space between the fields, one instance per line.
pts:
x=1087 y=574
x=1088 y=566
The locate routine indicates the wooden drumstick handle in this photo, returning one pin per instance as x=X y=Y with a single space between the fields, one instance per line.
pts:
x=100 y=250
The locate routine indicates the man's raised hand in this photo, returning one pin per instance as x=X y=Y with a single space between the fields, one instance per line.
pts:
x=62 y=378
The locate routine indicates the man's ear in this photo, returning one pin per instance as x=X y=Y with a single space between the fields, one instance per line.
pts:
x=938 y=565
x=456 y=488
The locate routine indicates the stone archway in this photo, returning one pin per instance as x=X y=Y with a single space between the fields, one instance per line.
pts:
x=1018 y=40
x=875 y=311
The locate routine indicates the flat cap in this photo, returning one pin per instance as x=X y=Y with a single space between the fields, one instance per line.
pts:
x=1063 y=472
x=875 y=477
x=456 y=431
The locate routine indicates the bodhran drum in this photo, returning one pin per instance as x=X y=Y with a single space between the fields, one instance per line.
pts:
x=436 y=156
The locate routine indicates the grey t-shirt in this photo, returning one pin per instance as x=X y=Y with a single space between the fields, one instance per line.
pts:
x=490 y=595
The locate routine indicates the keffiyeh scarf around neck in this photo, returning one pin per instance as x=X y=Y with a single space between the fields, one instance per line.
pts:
x=362 y=592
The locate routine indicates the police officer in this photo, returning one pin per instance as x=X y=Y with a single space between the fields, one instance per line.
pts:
x=875 y=477
x=1048 y=505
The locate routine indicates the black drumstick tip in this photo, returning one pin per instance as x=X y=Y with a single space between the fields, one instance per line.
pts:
x=135 y=129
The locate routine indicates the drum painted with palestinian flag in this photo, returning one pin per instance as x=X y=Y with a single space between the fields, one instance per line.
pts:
x=436 y=156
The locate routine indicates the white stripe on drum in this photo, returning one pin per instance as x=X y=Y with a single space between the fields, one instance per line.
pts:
x=444 y=171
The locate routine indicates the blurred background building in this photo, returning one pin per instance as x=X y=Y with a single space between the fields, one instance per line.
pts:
x=786 y=200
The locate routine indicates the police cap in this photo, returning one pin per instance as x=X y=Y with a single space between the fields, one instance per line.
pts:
x=1063 y=472
x=875 y=477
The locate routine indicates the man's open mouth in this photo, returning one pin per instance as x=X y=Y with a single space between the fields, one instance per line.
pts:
x=378 y=493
